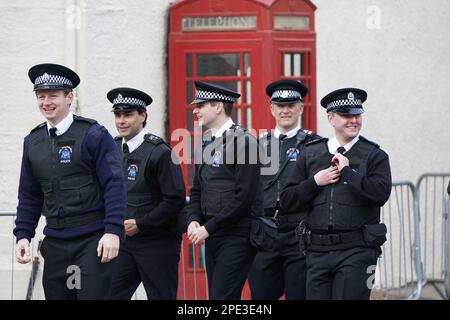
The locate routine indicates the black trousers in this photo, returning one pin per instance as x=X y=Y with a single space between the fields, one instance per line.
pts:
x=282 y=270
x=150 y=260
x=72 y=270
x=228 y=259
x=341 y=274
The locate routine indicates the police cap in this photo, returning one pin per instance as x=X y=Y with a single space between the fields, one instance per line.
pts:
x=345 y=101
x=286 y=91
x=128 y=99
x=50 y=76
x=212 y=92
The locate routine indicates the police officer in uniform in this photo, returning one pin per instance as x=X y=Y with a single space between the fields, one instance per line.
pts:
x=225 y=194
x=72 y=173
x=281 y=268
x=151 y=250
x=342 y=182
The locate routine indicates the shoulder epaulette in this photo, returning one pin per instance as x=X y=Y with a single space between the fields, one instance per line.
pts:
x=317 y=141
x=78 y=118
x=307 y=132
x=368 y=141
x=38 y=126
x=153 y=139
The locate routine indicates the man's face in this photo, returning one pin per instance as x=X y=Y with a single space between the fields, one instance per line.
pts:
x=54 y=104
x=346 y=127
x=129 y=123
x=287 y=116
x=206 y=113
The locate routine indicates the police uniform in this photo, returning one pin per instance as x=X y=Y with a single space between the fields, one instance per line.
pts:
x=155 y=197
x=280 y=267
x=72 y=174
x=225 y=195
x=343 y=234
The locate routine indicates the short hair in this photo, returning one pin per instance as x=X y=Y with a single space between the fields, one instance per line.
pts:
x=227 y=106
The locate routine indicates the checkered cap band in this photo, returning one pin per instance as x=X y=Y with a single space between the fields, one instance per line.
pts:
x=52 y=79
x=129 y=101
x=209 y=95
x=286 y=94
x=344 y=103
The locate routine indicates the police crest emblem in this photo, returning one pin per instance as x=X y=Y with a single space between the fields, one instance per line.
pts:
x=132 y=172
x=292 y=154
x=65 y=154
x=217 y=159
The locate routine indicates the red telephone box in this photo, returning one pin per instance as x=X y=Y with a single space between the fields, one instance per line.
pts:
x=242 y=45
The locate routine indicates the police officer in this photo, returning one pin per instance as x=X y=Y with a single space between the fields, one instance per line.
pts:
x=151 y=250
x=226 y=193
x=72 y=173
x=343 y=182
x=281 y=267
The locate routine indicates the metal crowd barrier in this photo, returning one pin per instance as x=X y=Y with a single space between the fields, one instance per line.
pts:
x=433 y=200
x=399 y=272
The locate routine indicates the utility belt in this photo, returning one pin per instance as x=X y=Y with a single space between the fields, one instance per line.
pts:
x=59 y=223
x=370 y=235
x=281 y=219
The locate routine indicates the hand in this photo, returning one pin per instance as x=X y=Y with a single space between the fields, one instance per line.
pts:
x=108 y=247
x=340 y=161
x=327 y=176
x=131 y=227
x=23 y=251
x=192 y=226
x=199 y=235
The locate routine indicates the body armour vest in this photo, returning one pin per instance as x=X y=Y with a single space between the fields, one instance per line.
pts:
x=67 y=181
x=142 y=195
x=217 y=174
x=290 y=150
x=337 y=206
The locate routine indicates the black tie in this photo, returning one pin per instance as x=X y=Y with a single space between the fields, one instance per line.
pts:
x=52 y=132
x=341 y=150
x=125 y=148
x=282 y=136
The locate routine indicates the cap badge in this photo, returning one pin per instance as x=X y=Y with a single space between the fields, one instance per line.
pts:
x=119 y=96
x=351 y=96
x=284 y=94
x=45 y=77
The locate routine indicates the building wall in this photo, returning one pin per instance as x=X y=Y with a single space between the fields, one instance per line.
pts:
x=405 y=68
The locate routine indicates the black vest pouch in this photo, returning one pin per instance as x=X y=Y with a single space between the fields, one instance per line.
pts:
x=139 y=204
x=263 y=232
x=375 y=234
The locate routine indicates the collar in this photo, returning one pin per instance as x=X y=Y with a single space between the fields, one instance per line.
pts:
x=289 y=134
x=333 y=144
x=63 y=126
x=136 y=141
x=227 y=125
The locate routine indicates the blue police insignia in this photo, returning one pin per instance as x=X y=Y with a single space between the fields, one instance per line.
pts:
x=132 y=172
x=65 y=154
x=217 y=159
x=292 y=154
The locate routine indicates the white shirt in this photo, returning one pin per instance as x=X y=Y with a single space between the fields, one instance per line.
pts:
x=227 y=125
x=333 y=144
x=135 y=142
x=289 y=134
x=63 y=126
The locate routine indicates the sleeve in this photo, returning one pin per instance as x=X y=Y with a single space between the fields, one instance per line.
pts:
x=300 y=188
x=101 y=151
x=246 y=182
x=31 y=199
x=376 y=185
x=168 y=176
x=193 y=208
